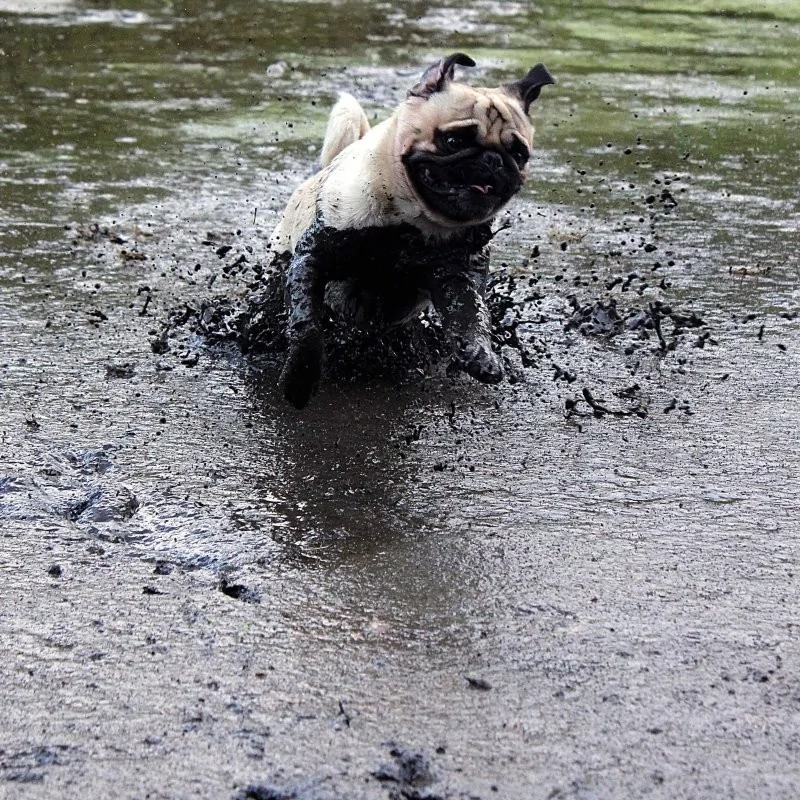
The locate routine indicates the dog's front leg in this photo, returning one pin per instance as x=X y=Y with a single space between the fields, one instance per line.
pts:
x=459 y=296
x=304 y=289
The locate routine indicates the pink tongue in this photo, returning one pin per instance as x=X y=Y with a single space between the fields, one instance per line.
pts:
x=486 y=189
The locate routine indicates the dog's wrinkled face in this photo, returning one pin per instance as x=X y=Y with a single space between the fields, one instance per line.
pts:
x=465 y=149
x=470 y=155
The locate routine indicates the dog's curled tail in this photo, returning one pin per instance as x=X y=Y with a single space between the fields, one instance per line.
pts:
x=346 y=124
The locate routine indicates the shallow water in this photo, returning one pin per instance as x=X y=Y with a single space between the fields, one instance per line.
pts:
x=626 y=586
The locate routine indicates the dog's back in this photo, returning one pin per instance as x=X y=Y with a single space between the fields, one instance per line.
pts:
x=347 y=124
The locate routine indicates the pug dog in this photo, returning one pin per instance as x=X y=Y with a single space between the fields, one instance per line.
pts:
x=400 y=215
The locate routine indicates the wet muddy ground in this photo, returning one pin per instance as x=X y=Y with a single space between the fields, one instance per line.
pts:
x=582 y=583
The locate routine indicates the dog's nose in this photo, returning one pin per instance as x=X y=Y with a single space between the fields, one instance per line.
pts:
x=493 y=160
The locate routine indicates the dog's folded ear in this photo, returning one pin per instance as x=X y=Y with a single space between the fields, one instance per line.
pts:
x=528 y=89
x=438 y=75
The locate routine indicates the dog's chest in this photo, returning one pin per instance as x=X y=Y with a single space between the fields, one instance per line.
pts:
x=399 y=250
x=364 y=252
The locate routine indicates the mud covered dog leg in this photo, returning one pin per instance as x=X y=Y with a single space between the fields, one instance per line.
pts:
x=303 y=293
x=459 y=297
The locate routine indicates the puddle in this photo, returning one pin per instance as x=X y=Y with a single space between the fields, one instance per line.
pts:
x=293 y=590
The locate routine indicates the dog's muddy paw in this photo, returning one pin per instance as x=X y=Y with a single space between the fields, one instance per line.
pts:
x=482 y=363
x=303 y=368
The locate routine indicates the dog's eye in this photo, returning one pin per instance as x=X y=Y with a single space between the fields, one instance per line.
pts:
x=519 y=153
x=453 y=141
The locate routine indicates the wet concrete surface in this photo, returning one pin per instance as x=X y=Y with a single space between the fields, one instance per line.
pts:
x=581 y=583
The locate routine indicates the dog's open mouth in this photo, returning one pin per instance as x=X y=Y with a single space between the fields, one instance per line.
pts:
x=441 y=183
x=481 y=189
x=465 y=189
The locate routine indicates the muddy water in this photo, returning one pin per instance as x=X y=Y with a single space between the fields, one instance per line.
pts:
x=205 y=591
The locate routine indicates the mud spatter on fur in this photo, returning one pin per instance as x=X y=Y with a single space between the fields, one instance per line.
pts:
x=531 y=314
x=387 y=262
